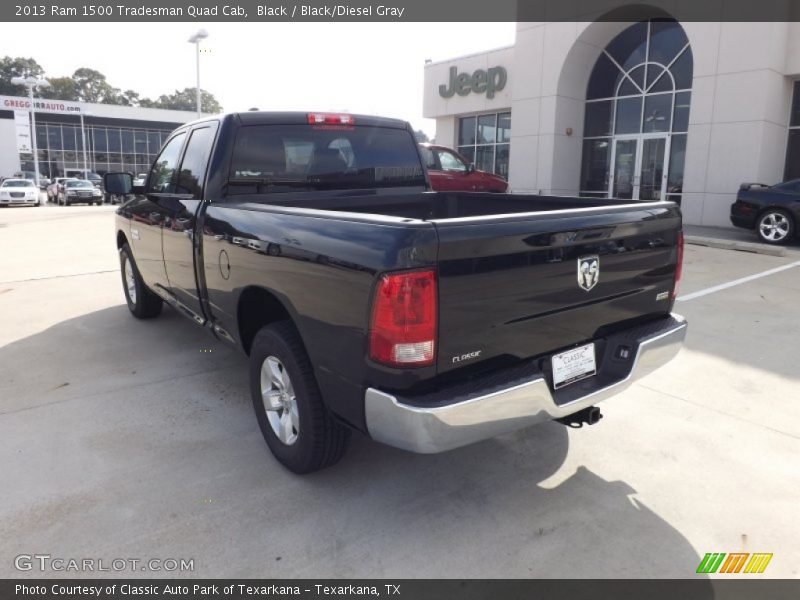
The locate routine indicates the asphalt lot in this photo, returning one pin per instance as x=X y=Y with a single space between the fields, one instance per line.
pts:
x=129 y=439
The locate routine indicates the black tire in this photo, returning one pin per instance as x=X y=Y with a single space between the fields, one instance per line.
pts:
x=146 y=304
x=320 y=440
x=775 y=226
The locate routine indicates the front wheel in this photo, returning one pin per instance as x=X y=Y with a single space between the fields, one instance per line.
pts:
x=775 y=226
x=298 y=428
x=142 y=303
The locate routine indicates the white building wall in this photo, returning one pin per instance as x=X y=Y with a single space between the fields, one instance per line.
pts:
x=738 y=122
x=446 y=131
x=447 y=110
x=9 y=157
x=739 y=116
x=738 y=119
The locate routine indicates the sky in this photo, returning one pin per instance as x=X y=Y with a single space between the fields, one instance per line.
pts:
x=373 y=68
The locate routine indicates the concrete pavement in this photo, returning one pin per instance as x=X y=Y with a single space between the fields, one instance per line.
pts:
x=121 y=438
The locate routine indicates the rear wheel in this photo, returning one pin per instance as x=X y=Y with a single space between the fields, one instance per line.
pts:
x=298 y=428
x=142 y=303
x=775 y=226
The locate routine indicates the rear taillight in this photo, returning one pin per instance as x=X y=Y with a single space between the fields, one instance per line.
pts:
x=403 y=326
x=330 y=119
x=678 y=265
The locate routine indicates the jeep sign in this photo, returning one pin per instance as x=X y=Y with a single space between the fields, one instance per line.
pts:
x=489 y=81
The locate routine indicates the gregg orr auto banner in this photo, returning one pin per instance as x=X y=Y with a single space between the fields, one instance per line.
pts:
x=22 y=127
x=40 y=104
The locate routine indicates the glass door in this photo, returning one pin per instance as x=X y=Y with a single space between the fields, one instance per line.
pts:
x=652 y=168
x=639 y=167
x=624 y=179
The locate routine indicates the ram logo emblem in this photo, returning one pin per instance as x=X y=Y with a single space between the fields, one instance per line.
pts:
x=588 y=271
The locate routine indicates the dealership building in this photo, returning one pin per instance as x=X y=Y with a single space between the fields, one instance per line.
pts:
x=78 y=135
x=656 y=109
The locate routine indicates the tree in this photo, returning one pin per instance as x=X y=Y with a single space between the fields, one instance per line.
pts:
x=130 y=98
x=421 y=136
x=62 y=88
x=17 y=67
x=90 y=85
x=187 y=100
x=93 y=87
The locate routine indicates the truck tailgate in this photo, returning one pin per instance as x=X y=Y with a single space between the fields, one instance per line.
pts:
x=509 y=286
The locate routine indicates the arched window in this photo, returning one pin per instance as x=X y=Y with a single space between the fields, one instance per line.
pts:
x=637 y=114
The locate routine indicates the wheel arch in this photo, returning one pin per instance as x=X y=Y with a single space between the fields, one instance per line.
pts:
x=122 y=239
x=258 y=307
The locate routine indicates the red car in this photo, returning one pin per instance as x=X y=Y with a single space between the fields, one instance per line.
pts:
x=451 y=172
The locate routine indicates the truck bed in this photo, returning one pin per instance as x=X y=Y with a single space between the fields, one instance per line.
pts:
x=428 y=206
x=508 y=266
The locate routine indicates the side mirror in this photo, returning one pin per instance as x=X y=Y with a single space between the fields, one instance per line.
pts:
x=118 y=183
x=470 y=168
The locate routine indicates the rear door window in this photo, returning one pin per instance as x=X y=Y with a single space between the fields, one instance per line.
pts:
x=428 y=158
x=788 y=187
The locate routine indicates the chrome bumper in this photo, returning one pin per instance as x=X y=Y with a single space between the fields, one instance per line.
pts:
x=440 y=428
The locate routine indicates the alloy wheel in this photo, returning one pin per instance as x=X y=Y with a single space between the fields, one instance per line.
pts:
x=280 y=402
x=130 y=281
x=774 y=226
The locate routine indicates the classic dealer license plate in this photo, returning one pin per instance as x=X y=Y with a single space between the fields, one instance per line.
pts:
x=573 y=365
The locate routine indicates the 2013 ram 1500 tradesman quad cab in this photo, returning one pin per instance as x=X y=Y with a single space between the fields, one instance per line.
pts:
x=365 y=301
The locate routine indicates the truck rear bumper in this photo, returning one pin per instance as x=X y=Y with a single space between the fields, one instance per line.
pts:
x=410 y=425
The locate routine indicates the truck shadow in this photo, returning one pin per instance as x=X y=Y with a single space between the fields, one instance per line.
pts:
x=488 y=510
x=159 y=454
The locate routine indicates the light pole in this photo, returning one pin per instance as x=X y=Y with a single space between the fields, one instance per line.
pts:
x=31 y=83
x=201 y=34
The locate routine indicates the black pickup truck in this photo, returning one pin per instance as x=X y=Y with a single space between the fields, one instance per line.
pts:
x=366 y=301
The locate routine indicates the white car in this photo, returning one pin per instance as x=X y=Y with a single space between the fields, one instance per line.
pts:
x=138 y=181
x=18 y=191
